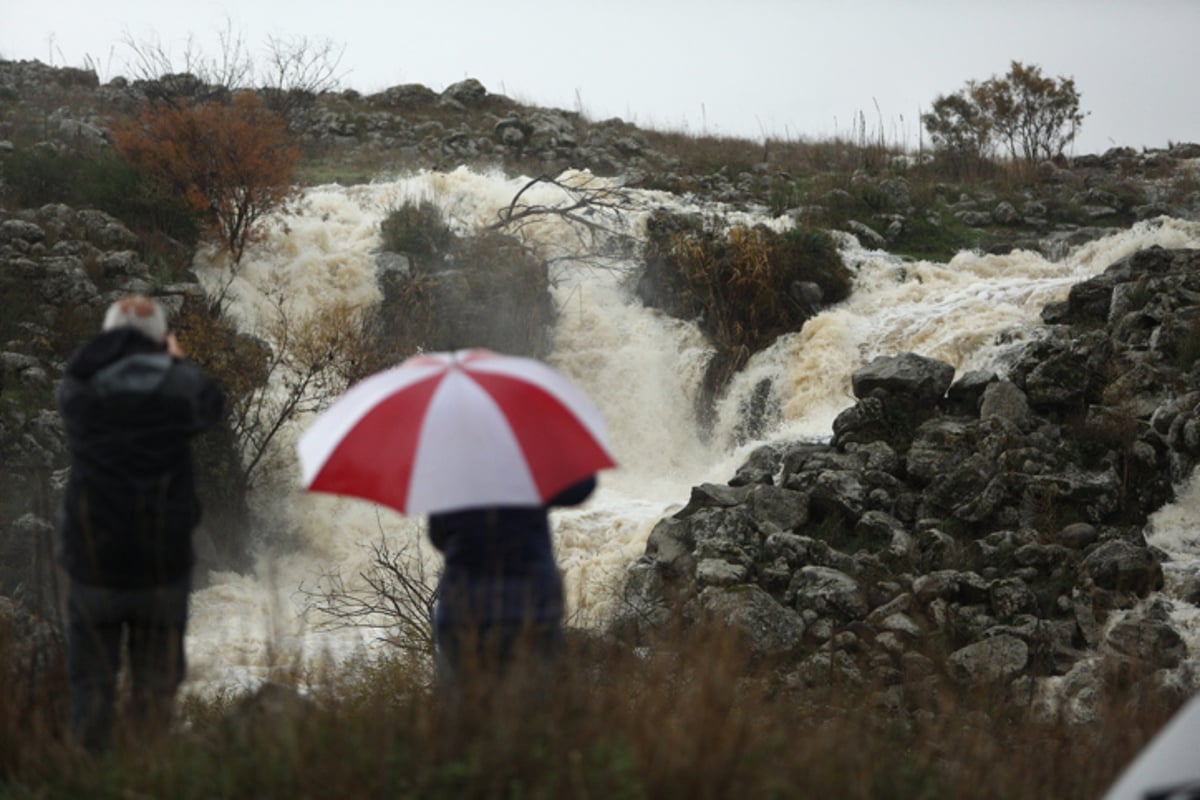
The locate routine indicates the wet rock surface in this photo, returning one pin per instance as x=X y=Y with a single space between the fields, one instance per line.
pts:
x=992 y=528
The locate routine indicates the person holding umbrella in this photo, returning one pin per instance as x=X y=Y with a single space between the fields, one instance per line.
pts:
x=501 y=594
x=485 y=444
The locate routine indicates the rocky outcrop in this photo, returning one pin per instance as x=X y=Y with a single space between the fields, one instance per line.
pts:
x=989 y=529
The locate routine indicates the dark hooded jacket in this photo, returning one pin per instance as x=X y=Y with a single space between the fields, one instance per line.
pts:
x=499 y=564
x=130 y=410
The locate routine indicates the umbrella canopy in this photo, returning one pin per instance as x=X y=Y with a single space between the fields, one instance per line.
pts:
x=448 y=431
x=1166 y=769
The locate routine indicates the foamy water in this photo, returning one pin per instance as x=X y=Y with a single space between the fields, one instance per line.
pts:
x=1175 y=529
x=640 y=367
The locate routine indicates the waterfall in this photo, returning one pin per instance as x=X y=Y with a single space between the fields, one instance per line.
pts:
x=641 y=368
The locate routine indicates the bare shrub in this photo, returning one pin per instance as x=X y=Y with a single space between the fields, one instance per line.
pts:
x=297 y=71
x=192 y=76
x=393 y=595
x=33 y=688
x=299 y=363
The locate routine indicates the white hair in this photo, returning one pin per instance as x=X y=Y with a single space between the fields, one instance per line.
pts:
x=141 y=314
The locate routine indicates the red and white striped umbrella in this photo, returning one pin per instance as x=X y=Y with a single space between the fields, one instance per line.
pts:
x=447 y=431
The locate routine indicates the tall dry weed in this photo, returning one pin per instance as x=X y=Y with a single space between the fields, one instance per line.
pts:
x=688 y=715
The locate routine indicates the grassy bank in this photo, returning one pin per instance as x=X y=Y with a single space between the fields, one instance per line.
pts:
x=694 y=721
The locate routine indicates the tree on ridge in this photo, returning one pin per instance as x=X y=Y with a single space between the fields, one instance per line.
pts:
x=232 y=163
x=1032 y=116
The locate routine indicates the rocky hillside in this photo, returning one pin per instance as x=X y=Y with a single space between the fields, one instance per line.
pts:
x=901 y=201
x=962 y=530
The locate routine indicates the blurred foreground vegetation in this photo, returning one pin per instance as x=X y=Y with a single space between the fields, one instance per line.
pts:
x=684 y=719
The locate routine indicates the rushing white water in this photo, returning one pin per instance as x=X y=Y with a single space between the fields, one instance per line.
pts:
x=641 y=368
x=1175 y=529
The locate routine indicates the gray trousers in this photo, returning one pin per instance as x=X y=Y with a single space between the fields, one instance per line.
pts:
x=143 y=627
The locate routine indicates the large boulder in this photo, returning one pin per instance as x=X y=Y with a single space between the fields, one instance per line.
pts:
x=914 y=379
x=995 y=660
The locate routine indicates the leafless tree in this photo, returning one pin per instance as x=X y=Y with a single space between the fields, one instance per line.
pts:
x=594 y=210
x=192 y=75
x=396 y=597
x=310 y=361
x=297 y=71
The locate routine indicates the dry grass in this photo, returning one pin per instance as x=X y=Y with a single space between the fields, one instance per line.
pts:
x=691 y=719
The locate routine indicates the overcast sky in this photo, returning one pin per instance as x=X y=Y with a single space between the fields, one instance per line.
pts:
x=799 y=69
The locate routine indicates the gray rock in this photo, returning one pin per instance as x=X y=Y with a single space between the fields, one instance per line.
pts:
x=718 y=572
x=18 y=230
x=1006 y=214
x=712 y=495
x=468 y=92
x=760 y=467
x=868 y=235
x=940 y=446
x=995 y=660
x=407 y=95
x=976 y=219
x=1004 y=399
x=767 y=627
x=828 y=592
x=903 y=624
x=915 y=379
x=512 y=132
x=1154 y=642
x=1120 y=565
x=785 y=509
x=966 y=392
x=1010 y=597
x=670 y=546
x=1078 y=535
x=951 y=585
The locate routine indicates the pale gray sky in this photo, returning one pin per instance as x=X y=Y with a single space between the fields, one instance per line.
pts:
x=800 y=69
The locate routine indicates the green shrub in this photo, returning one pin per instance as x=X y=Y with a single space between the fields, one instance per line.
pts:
x=36 y=176
x=19 y=301
x=417 y=230
x=936 y=236
x=810 y=255
x=487 y=290
x=784 y=195
x=112 y=185
x=507 y=305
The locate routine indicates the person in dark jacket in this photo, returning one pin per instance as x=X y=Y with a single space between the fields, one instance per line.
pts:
x=500 y=589
x=130 y=404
